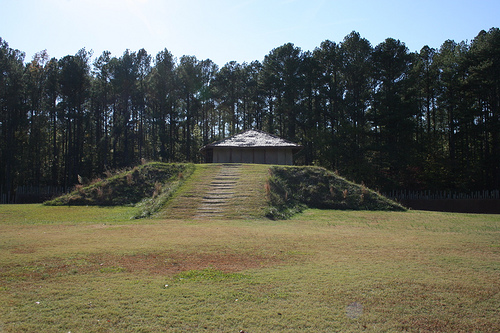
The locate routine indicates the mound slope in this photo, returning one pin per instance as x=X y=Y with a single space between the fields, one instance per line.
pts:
x=128 y=187
x=291 y=189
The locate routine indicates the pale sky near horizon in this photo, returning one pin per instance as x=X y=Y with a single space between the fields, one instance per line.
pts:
x=226 y=30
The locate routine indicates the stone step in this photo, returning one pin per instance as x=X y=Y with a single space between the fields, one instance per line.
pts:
x=221 y=196
x=213 y=201
x=209 y=211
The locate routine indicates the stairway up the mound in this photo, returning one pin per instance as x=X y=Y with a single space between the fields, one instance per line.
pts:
x=221 y=191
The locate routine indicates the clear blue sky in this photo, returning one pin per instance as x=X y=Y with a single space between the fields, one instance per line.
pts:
x=225 y=30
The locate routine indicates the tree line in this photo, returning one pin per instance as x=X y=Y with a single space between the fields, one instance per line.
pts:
x=381 y=115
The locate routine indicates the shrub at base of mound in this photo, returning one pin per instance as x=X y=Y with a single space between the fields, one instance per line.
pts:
x=292 y=189
x=127 y=188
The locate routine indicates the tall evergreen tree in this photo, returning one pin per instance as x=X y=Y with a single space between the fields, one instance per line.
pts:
x=74 y=83
x=36 y=152
x=209 y=71
x=51 y=94
x=125 y=74
x=283 y=80
x=392 y=113
x=101 y=111
x=13 y=120
x=484 y=82
x=190 y=83
x=357 y=73
x=331 y=116
x=143 y=60
x=253 y=99
x=162 y=113
x=450 y=103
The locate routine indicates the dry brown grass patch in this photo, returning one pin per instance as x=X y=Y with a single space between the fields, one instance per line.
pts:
x=175 y=262
x=164 y=264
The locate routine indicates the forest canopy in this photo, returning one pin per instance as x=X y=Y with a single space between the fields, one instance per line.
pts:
x=381 y=115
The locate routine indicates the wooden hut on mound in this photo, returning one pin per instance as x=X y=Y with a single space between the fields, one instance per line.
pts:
x=251 y=146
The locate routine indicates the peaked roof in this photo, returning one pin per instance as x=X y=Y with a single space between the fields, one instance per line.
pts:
x=254 y=139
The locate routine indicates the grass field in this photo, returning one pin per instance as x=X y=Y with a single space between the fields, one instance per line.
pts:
x=91 y=269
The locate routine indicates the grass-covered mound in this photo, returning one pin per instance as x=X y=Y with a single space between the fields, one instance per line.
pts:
x=292 y=189
x=150 y=185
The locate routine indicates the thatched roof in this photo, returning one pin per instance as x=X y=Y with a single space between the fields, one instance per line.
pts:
x=254 y=139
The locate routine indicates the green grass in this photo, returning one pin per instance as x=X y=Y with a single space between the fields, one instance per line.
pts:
x=92 y=269
x=41 y=214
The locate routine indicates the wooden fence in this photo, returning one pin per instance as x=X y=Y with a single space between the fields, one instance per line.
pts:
x=487 y=202
x=31 y=194
x=442 y=195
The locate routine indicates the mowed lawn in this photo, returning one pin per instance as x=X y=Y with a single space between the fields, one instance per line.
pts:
x=90 y=269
